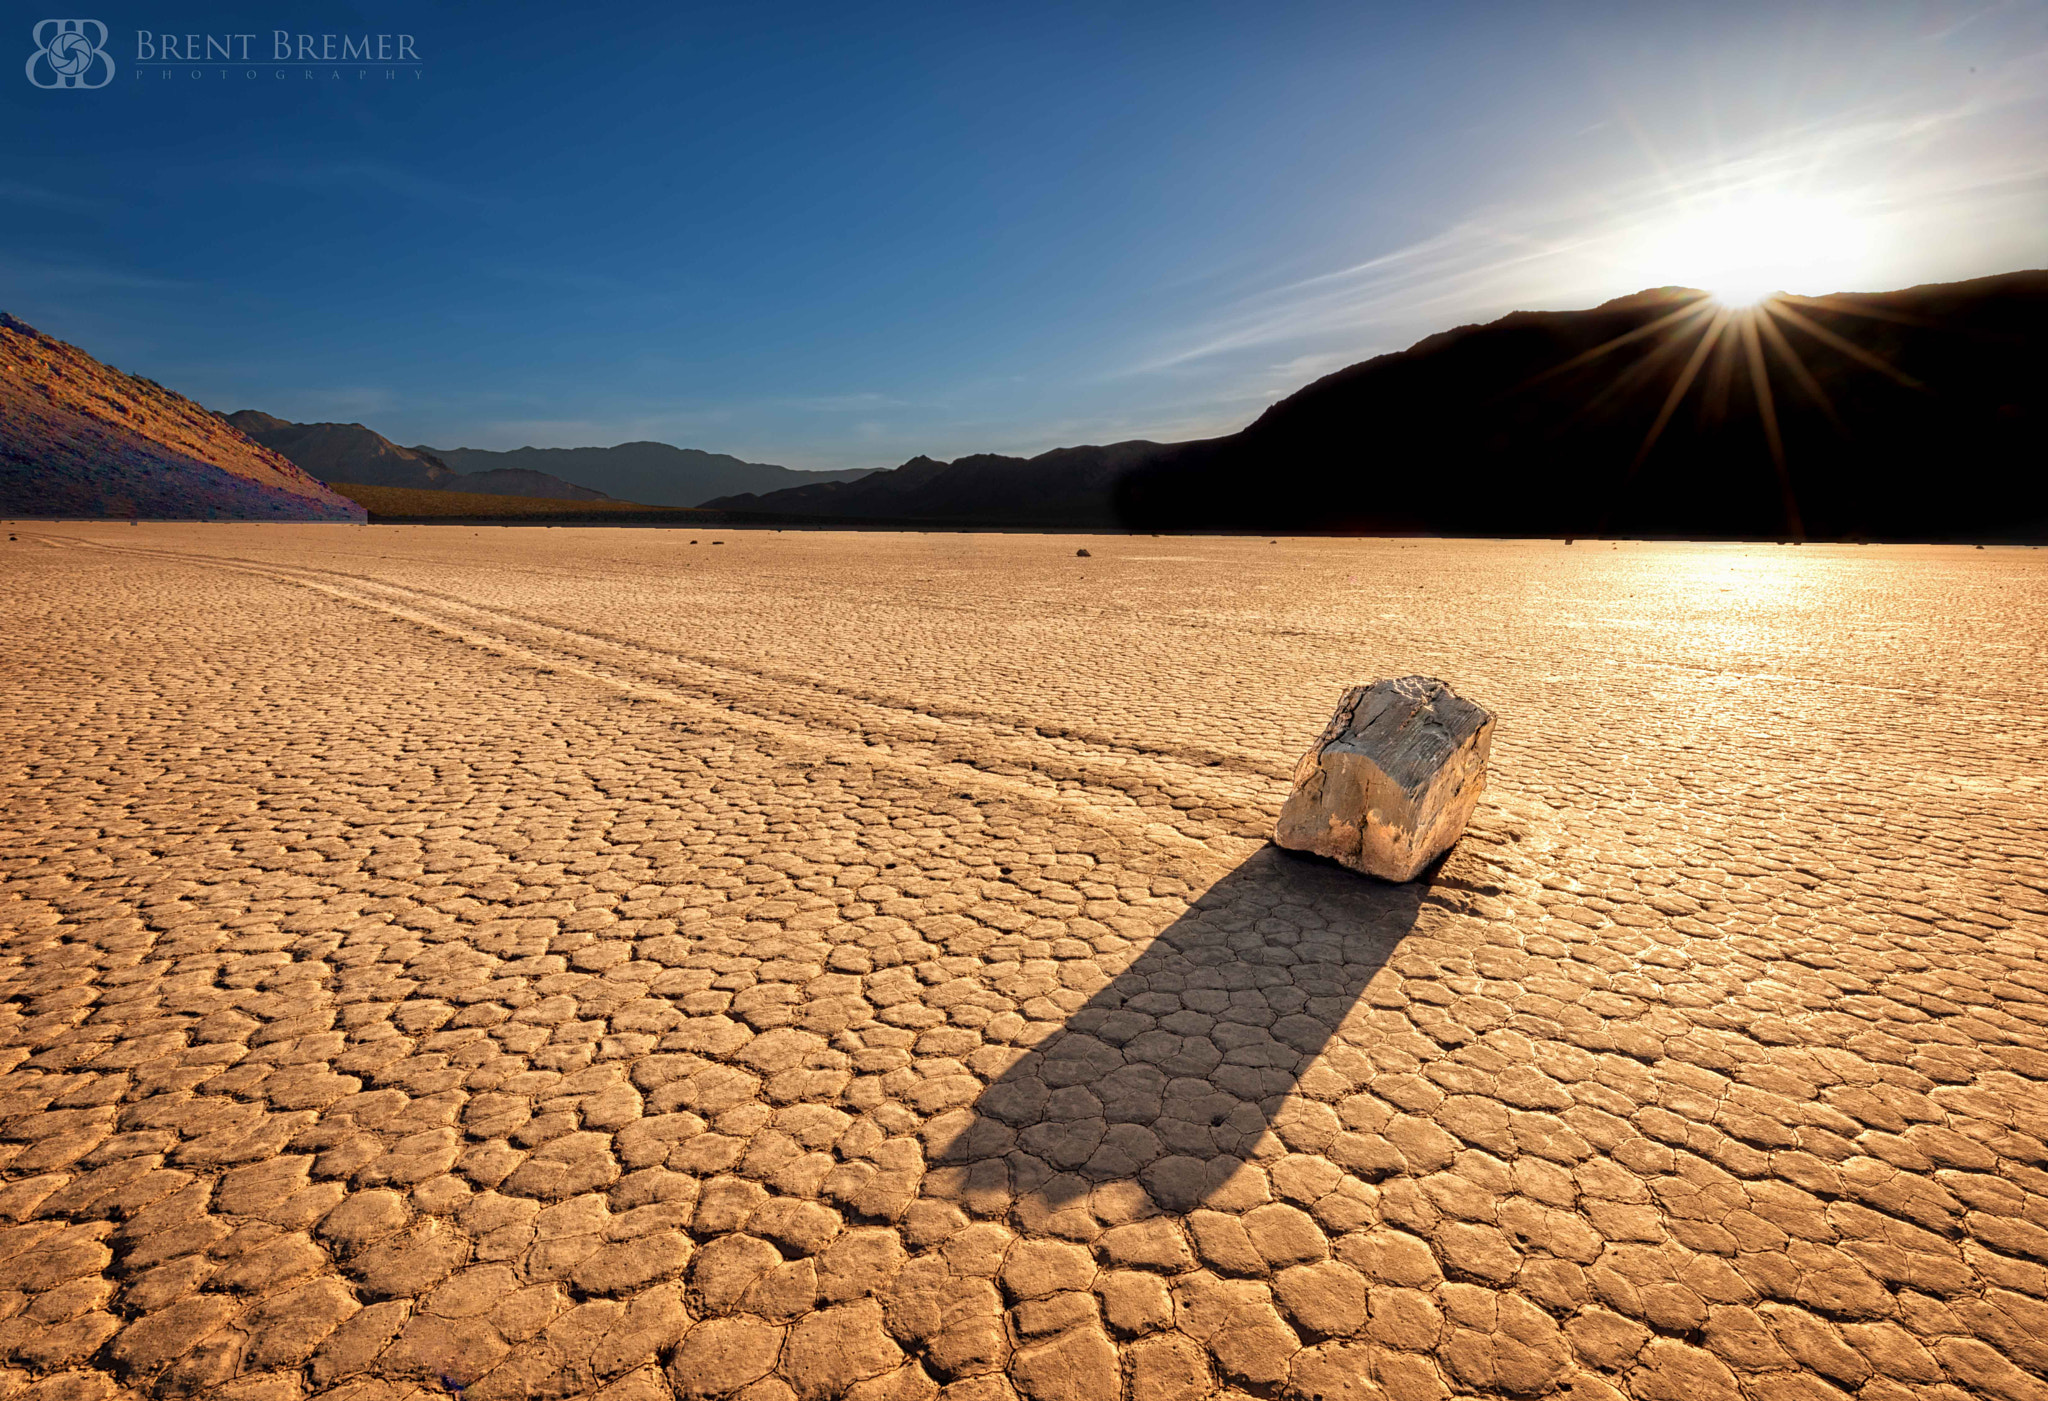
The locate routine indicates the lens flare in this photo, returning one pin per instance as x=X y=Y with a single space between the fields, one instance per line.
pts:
x=1744 y=248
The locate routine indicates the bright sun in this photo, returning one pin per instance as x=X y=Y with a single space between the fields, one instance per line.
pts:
x=1743 y=248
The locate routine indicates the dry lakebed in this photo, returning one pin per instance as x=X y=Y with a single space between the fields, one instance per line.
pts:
x=527 y=962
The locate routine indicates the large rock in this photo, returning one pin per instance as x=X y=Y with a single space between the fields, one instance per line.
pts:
x=1393 y=778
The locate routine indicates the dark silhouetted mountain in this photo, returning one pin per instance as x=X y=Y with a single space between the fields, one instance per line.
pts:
x=349 y=452
x=1067 y=486
x=1909 y=415
x=654 y=473
x=78 y=438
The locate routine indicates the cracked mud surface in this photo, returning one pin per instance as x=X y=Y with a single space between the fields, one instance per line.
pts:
x=557 y=963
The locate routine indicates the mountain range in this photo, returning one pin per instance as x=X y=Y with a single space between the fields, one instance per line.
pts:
x=79 y=438
x=357 y=456
x=1909 y=415
x=653 y=474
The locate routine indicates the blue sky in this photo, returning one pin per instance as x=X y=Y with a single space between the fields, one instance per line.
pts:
x=838 y=235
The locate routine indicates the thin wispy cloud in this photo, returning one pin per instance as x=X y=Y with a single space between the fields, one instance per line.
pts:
x=1459 y=267
x=36 y=197
x=846 y=403
x=639 y=290
x=677 y=428
x=342 y=403
x=1908 y=173
x=73 y=275
x=373 y=177
x=563 y=279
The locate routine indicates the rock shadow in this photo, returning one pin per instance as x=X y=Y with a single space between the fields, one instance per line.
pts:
x=1164 y=1083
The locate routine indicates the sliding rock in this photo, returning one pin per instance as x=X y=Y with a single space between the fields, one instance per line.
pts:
x=1389 y=785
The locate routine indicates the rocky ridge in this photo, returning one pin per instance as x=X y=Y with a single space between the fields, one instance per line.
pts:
x=80 y=438
x=354 y=455
x=655 y=474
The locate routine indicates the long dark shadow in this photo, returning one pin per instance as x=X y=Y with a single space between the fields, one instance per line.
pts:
x=1171 y=1074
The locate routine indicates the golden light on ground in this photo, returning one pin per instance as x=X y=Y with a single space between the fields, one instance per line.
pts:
x=1743 y=248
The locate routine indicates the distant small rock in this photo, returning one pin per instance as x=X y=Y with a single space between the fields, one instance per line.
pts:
x=1082 y=554
x=1392 y=780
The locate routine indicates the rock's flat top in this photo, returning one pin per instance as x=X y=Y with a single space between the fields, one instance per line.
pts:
x=1384 y=712
x=538 y=961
